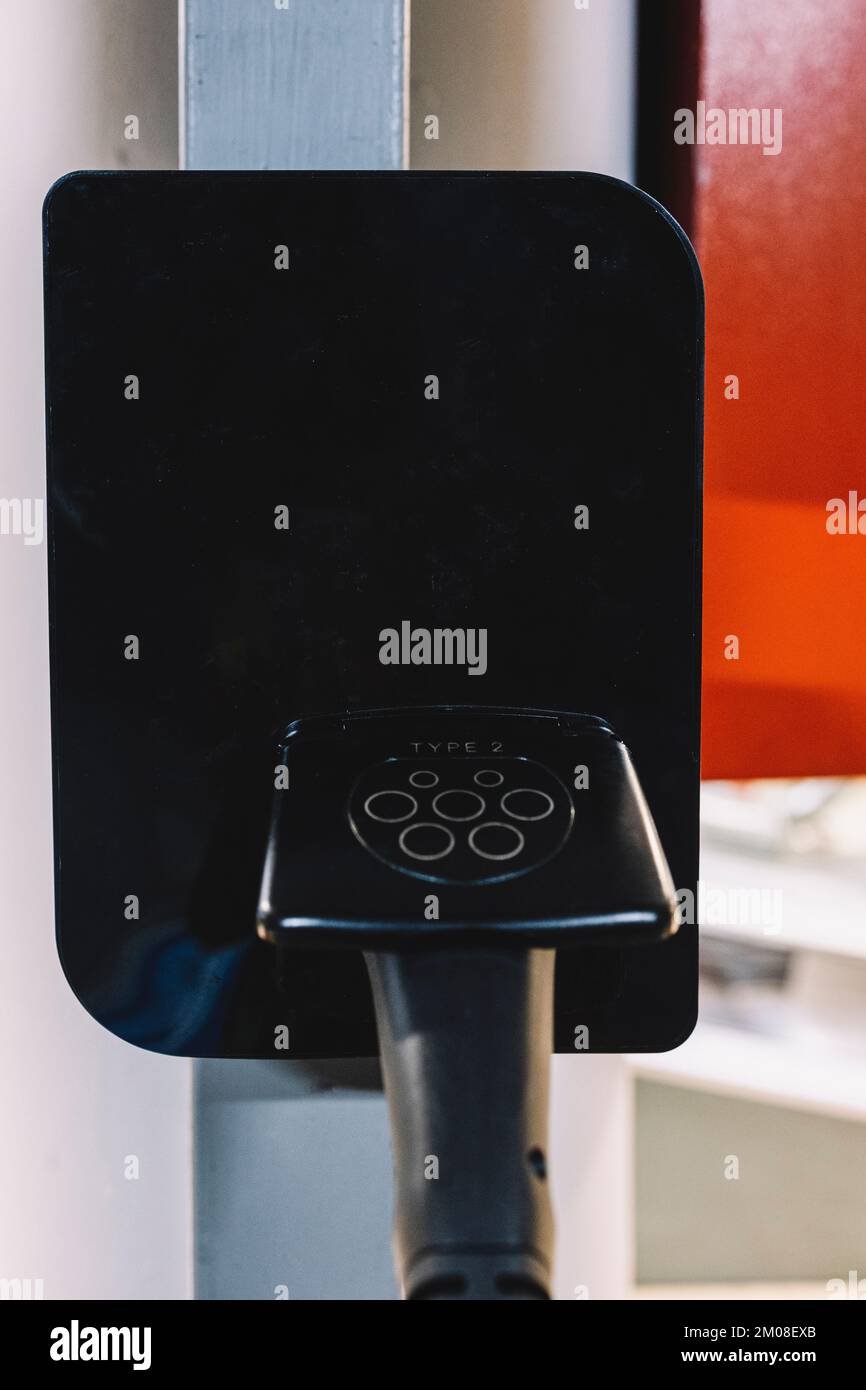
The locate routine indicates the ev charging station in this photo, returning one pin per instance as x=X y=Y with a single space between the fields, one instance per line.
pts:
x=374 y=512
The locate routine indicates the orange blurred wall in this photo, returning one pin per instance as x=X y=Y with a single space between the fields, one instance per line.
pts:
x=782 y=242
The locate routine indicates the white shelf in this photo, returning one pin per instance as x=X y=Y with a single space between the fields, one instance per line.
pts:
x=801 y=1293
x=823 y=903
x=795 y=1073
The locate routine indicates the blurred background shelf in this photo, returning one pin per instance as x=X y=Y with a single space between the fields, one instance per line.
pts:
x=750 y=1138
x=787 y=1290
x=727 y=1061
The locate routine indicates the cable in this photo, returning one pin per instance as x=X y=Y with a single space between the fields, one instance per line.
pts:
x=465 y=1041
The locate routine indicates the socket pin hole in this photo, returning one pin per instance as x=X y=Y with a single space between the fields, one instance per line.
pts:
x=536 y=1161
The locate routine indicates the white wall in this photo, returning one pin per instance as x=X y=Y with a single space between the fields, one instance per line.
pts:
x=74 y=1101
x=524 y=84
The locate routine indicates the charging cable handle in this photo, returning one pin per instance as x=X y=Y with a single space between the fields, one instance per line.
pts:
x=465 y=1038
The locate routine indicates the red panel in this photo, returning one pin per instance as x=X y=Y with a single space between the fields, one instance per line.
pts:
x=782 y=240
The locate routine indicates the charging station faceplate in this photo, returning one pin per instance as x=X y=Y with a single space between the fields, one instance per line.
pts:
x=299 y=426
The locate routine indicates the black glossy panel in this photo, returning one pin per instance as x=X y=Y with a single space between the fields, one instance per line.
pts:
x=305 y=388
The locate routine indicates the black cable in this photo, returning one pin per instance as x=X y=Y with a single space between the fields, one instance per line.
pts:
x=465 y=1041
